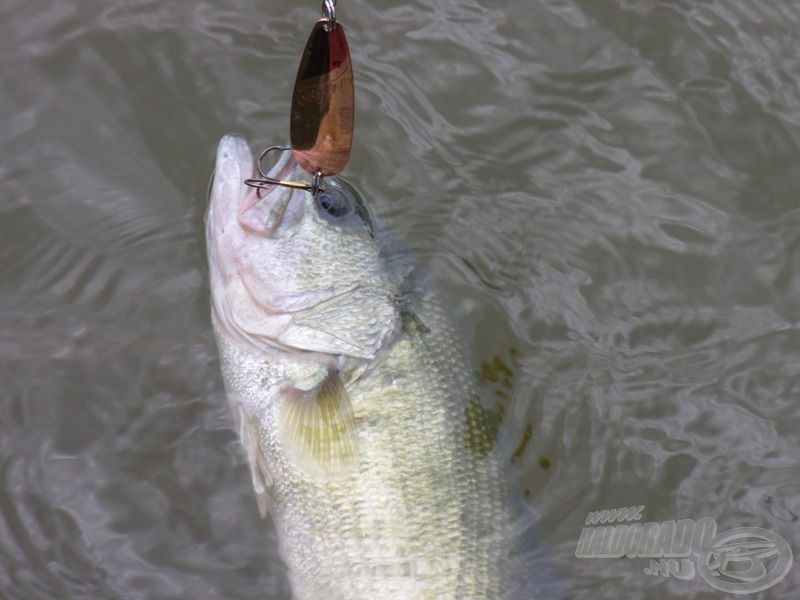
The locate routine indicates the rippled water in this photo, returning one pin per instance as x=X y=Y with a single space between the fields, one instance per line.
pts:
x=608 y=191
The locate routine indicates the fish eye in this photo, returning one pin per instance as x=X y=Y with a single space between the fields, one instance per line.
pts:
x=335 y=203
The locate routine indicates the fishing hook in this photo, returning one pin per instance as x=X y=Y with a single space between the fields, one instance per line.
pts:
x=266 y=182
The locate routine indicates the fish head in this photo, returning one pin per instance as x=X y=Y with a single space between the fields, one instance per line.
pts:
x=296 y=271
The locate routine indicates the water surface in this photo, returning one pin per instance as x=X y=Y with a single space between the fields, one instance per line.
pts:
x=607 y=191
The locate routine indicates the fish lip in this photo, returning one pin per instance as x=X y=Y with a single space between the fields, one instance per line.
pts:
x=233 y=164
x=234 y=151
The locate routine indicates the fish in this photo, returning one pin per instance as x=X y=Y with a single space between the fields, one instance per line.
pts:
x=369 y=438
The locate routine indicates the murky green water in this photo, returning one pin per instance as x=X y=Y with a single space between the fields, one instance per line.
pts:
x=609 y=193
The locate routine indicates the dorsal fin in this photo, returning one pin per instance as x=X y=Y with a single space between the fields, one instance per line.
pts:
x=317 y=430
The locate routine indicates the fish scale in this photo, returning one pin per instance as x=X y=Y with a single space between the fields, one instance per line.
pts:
x=432 y=509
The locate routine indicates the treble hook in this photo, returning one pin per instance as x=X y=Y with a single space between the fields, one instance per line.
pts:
x=322 y=107
x=265 y=182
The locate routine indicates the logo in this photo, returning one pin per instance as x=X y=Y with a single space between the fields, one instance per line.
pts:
x=738 y=561
x=746 y=560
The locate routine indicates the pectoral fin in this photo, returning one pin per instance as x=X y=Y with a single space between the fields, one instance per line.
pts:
x=317 y=430
x=262 y=479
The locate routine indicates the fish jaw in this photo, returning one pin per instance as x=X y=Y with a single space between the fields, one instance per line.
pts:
x=235 y=224
x=234 y=165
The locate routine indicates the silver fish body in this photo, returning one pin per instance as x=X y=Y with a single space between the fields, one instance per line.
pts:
x=359 y=411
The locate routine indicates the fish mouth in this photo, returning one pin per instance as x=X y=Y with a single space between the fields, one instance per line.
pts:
x=257 y=210
x=235 y=165
x=263 y=207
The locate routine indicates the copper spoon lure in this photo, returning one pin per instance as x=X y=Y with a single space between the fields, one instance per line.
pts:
x=321 y=126
x=323 y=105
